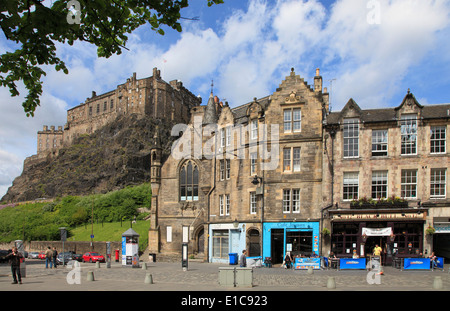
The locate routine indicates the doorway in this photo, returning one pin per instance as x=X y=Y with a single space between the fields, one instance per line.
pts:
x=277 y=245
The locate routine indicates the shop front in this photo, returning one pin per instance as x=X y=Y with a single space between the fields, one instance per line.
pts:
x=301 y=239
x=441 y=237
x=399 y=233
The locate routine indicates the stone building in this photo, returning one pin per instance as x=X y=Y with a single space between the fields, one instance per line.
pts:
x=148 y=96
x=385 y=171
x=248 y=177
x=49 y=140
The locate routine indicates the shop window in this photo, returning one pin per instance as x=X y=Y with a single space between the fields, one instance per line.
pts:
x=408 y=239
x=220 y=243
x=300 y=242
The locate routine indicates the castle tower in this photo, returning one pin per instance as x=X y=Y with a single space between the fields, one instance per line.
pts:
x=155 y=181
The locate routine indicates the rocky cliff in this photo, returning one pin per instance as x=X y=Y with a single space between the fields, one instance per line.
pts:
x=113 y=157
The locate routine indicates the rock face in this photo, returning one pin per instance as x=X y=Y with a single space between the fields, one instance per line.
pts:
x=111 y=158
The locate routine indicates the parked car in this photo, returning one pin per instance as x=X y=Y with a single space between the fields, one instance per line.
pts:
x=93 y=257
x=68 y=256
x=3 y=254
x=41 y=255
x=33 y=255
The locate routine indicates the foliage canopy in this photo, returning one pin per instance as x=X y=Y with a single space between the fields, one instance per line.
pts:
x=36 y=28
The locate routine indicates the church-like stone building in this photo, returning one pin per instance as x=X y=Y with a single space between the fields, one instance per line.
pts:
x=248 y=177
x=284 y=174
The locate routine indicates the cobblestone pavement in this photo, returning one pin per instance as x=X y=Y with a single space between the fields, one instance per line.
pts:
x=204 y=277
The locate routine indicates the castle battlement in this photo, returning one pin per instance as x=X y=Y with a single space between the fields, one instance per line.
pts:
x=149 y=96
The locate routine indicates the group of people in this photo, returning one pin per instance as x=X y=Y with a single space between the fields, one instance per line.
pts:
x=15 y=258
x=288 y=260
x=50 y=257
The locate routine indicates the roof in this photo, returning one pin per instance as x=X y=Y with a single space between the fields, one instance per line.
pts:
x=130 y=232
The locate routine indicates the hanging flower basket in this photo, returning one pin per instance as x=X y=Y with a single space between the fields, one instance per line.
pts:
x=430 y=230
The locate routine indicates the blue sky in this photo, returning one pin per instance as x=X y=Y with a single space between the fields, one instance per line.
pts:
x=372 y=50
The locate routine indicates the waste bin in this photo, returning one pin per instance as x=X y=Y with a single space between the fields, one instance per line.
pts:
x=233 y=258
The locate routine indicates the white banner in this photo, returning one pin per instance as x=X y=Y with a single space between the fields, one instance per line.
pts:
x=377 y=231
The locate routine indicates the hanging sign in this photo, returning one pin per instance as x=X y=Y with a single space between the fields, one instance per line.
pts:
x=377 y=231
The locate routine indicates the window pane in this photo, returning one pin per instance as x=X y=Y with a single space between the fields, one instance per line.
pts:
x=287 y=159
x=379 y=185
x=351 y=184
x=408 y=134
x=297 y=119
x=296 y=159
x=438 y=183
x=379 y=143
x=351 y=138
x=287 y=120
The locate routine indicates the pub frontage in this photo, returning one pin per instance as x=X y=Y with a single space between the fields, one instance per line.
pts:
x=399 y=232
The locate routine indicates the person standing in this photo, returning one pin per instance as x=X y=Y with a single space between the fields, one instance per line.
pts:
x=48 y=257
x=243 y=259
x=15 y=258
x=54 y=255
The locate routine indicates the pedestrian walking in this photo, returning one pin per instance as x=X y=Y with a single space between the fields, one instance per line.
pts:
x=54 y=255
x=48 y=258
x=15 y=258
x=243 y=259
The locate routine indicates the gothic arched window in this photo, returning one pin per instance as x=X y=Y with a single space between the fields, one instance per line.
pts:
x=189 y=182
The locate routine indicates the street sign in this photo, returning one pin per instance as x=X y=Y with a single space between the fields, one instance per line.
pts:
x=92 y=236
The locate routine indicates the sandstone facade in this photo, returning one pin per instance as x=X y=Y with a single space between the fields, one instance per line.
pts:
x=272 y=175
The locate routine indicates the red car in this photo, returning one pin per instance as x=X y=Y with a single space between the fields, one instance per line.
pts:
x=93 y=257
x=42 y=255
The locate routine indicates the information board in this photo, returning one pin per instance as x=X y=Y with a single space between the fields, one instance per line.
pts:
x=304 y=263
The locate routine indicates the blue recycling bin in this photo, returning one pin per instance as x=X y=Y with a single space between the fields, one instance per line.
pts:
x=233 y=258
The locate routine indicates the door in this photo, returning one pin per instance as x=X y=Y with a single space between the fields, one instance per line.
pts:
x=201 y=241
x=277 y=245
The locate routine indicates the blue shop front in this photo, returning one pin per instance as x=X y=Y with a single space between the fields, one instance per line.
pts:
x=299 y=238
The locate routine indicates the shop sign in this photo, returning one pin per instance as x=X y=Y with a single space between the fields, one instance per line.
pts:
x=416 y=263
x=350 y=263
x=304 y=263
x=380 y=216
x=442 y=228
x=377 y=231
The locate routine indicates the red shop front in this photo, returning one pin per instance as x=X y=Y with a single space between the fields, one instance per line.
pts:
x=398 y=233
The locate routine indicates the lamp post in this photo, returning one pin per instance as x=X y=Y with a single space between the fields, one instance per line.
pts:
x=255 y=181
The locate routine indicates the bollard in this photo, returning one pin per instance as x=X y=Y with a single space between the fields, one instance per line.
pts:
x=90 y=276
x=310 y=270
x=97 y=264
x=144 y=266
x=331 y=283
x=437 y=283
x=148 y=279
